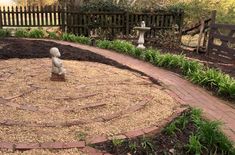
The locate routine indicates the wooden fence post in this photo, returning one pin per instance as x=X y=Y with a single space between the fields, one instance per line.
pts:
x=127 y=23
x=62 y=12
x=0 y=17
x=211 y=39
x=200 y=35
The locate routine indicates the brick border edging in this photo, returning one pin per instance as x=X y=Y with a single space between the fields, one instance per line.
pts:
x=83 y=145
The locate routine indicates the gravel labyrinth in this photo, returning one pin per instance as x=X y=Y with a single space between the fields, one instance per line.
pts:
x=96 y=99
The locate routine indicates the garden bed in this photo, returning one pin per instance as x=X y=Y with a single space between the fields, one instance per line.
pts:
x=228 y=68
x=188 y=134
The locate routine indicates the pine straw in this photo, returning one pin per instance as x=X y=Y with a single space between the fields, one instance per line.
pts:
x=87 y=83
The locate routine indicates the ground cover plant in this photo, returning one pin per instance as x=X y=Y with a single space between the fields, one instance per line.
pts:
x=187 y=134
x=4 y=33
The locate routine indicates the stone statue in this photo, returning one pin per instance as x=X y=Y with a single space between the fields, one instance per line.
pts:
x=58 y=71
x=142 y=24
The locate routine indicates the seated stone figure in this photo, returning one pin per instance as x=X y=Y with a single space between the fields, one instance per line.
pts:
x=58 y=71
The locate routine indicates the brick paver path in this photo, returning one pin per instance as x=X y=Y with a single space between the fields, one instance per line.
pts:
x=213 y=107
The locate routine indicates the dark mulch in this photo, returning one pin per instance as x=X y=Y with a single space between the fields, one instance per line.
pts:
x=228 y=68
x=28 y=49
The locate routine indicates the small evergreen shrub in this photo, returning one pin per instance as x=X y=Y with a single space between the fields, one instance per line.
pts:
x=4 y=33
x=36 y=33
x=52 y=35
x=22 y=33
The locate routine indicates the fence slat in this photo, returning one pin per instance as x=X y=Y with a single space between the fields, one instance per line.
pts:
x=1 y=18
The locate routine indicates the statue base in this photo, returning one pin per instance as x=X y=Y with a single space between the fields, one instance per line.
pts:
x=57 y=77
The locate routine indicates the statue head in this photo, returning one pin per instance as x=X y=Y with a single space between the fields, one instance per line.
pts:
x=142 y=23
x=54 y=51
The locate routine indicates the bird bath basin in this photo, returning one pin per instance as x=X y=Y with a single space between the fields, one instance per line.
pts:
x=141 y=31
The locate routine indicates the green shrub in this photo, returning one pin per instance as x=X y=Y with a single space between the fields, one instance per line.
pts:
x=211 y=137
x=4 y=33
x=123 y=47
x=83 y=40
x=52 y=35
x=65 y=37
x=104 y=44
x=194 y=145
x=151 y=55
x=22 y=33
x=36 y=33
x=74 y=38
x=137 y=52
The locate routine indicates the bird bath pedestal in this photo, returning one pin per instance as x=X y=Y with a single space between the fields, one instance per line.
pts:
x=141 y=31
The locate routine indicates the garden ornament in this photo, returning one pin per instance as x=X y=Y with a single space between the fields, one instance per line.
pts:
x=142 y=29
x=58 y=71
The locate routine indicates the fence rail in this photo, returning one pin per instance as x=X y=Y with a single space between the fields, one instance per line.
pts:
x=120 y=23
x=221 y=43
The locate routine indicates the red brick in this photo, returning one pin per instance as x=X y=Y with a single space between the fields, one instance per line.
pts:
x=27 y=146
x=74 y=123
x=93 y=106
x=118 y=137
x=135 y=133
x=152 y=130
x=52 y=145
x=96 y=140
x=6 y=145
x=111 y=116
x=79 y=144
x=91 y=151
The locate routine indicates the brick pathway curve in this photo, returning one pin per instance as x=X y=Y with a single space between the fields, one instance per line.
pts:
x=186 y=92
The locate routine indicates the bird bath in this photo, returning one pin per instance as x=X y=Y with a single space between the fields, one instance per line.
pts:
x=141 y=31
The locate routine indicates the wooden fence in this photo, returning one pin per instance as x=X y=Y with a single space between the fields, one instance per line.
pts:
x=31 y=16
x=80 y=23
x=221 y=44
x=121 y=23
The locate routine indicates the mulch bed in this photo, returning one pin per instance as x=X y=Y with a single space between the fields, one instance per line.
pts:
x=228 y=68
x=160 y=143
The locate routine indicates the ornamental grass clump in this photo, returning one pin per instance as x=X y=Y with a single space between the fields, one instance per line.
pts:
x=36 y=33
x=22 y=33
x=123 y=47
x=4 y=33
x=222 y=83
x=52 y=35
x=75 y=38
x=83 y=40
x=106 y=44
